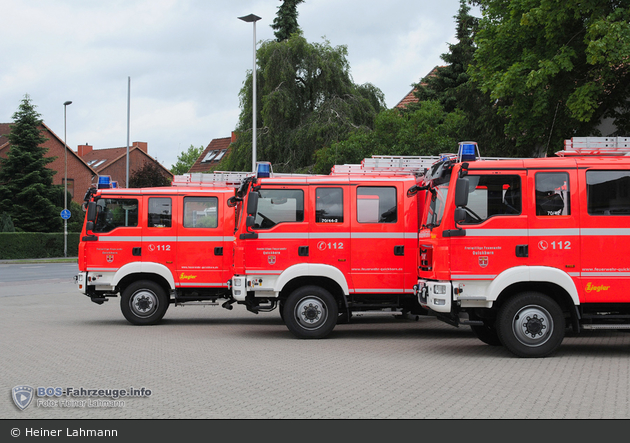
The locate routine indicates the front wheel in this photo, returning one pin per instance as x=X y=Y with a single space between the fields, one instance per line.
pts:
x=144 y=303
x=487 y=333
x=310 y=312
x=531 y=325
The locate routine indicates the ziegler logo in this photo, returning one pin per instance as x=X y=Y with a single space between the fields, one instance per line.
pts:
x=590 y=287
x=187 y=277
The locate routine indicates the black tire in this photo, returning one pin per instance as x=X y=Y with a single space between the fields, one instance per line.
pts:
x=144 y=303
x=486 y=333
x=310 y=312
x=531 y=325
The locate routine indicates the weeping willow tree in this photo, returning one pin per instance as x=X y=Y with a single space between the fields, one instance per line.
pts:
x=306 y=100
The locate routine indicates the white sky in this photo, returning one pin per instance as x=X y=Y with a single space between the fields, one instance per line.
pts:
x=187 y=60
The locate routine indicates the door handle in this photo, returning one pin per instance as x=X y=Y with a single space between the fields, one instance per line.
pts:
x=303 y=251
x=399 y=250
x=218 y=250
x=522 y=250
x=136 y=252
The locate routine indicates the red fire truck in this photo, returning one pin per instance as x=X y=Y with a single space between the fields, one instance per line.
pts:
x=159 y=246
x=522 y=249
x=323 y=247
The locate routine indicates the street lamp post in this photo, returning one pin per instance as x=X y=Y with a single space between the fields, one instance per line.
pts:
x=251 y=18
x=65 y=189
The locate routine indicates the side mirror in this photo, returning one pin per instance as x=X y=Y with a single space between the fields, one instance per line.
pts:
x=460 y=215
x=91 y=211
x=252 y=203
x=461 y=192
x=89 y=226
x=249 y=221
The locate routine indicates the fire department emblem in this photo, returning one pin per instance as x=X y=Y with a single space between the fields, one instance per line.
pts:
x=271 y=259
x=483 y=261
x=22 y=396
x=109 y=258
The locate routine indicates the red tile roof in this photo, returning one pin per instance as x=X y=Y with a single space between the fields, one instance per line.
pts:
x=215 y=151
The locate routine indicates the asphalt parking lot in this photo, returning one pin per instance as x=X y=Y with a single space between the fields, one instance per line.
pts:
x=211 y=363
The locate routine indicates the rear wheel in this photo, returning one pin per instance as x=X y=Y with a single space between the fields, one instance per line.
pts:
x=310 y=312
x=531 y=325
x=144 y=302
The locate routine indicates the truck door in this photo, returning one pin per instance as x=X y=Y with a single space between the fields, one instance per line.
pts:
x=204 y=253
x=605 y=236
x=495 y=228
x=282 y=231
x=116 y=234
x=554 y=220
x=377 y=240
x=329 y=237
x=159 y=234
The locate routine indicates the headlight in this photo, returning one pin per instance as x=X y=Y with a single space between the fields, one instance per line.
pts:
x=439 y=289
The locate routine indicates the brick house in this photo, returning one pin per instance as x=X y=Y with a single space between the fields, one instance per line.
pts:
x=85 y=165
x=80 y=174
x=214 y=152
x=113 y=161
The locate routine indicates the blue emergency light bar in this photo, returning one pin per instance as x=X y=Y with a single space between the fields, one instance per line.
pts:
x=104 y=182
x=263 y=169
x=467 y=151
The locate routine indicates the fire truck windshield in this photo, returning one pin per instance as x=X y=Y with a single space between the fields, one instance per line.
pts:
x=435 y=206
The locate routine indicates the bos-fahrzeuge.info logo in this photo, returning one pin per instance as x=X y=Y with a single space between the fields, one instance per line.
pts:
x=57 y=397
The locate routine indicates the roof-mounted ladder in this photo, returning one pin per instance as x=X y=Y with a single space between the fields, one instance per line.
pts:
x=596 y=146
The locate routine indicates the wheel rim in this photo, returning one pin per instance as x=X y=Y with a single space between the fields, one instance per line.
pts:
x=311 y=312
x=144 y=303
x=532 y=325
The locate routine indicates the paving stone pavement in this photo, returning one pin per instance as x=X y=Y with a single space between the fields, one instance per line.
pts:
x=211 y=363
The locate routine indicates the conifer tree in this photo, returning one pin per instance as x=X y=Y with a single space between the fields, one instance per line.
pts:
x=286 y=22
x=27 y=189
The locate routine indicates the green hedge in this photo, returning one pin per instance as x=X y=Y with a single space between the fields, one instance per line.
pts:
x=19 y=245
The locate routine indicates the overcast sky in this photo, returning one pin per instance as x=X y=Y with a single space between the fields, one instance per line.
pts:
x=187 y=60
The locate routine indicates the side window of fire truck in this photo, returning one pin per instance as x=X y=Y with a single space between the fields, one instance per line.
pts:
x=492 y=195
x=329 y=205
x=608 y=192
x=376 y=204
x=159 y=215
x=277 y=206
x=115 y=212
x=201 y=212
x=552 y=194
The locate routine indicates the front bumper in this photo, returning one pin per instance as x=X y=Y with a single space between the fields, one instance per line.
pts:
x=435 y=295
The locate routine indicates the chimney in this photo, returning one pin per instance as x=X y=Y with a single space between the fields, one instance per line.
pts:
x=234 y=137
x=143 y=146
x=83 y=150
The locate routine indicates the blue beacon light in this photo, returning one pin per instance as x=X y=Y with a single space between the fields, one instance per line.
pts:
x=467 y=151
x=263 y=169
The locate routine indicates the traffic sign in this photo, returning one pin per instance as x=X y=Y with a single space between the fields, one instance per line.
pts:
x=65 y=214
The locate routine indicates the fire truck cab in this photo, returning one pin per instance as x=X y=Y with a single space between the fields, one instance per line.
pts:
x=323 y=247
x=521 y=249
x=158 y=246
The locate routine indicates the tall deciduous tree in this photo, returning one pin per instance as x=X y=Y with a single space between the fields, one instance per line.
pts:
x=306 y=100
x=147 y=176
x=186 y=160
x=427 y=130
x=286 y=22
x=27 y=189
x=555 y=68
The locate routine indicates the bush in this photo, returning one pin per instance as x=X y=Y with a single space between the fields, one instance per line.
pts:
x=21 y=245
